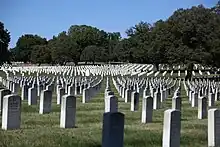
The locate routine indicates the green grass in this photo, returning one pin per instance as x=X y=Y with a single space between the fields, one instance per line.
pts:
x=44 y=131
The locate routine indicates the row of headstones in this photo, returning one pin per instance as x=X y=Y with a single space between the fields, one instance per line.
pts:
x=11 y=115
x=41 y=80
x=82 y=70
x=46 y=95
x=154 y=101
x=141 y=84
x=11 y=119
x=148 y=103
x=11 y=112
x=194 y=93
x=113 y=128
x=45 y=85
x=158 y=94
x=13 y=102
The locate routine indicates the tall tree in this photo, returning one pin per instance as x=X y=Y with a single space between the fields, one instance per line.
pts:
x=41 y=54
x=91 y=53
x=64 y=49
x=4 y=43
x=25 y=45
x=139 y=35
x=113 y=40
x=85 y=36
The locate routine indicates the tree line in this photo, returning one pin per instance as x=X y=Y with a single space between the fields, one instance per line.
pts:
x=188 y=36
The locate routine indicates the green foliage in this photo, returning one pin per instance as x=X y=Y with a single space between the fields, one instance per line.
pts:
x=25 y=46
x=4 y=42
x=41 y=54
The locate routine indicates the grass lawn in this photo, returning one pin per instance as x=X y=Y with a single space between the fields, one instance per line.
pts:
x=44 y=131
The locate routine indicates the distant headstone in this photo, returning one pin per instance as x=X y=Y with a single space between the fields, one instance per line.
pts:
x=87 y=73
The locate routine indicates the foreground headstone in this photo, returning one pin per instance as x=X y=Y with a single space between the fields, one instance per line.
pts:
x=213 y=128
x=211 y=99
x=113 y=129
x=111 y=103
x=176 y=103
x=134 y=101
x=3 y=92
x=85 y=95
x=68 y=111
x=171 y=128
x=24 y=92
x=157 y=101
x=194 y=102
x=11 y=114
x=60 y=93
x=45 y=102
x=147 y=109
x=202 y=107
x=32 y=96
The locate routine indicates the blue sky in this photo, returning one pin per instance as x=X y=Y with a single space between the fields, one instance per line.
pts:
x=49 y=17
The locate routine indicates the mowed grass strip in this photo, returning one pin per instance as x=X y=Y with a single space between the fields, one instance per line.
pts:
x=43 y=130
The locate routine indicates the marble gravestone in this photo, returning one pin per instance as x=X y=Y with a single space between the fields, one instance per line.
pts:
x=147 y=109
x=60 y=93
x=68 y=111
x=202 y=108
x=32 y=96
x=134 y=101
x=171 y=128
x=113 y=129
x=213 y=127
x=111 y=103
x=11 y=114
x=45 y=102
x=3 y=92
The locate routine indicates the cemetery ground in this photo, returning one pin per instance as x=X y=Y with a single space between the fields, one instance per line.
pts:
x=44 y=131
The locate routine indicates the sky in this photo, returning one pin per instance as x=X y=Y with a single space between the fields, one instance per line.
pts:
x=50 y=17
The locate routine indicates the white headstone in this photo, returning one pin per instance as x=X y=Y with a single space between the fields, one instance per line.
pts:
x=11 y=113
x=68 y=111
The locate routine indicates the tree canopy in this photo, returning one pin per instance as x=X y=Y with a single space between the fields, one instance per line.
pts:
x=4 y=43
x=188 y=36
